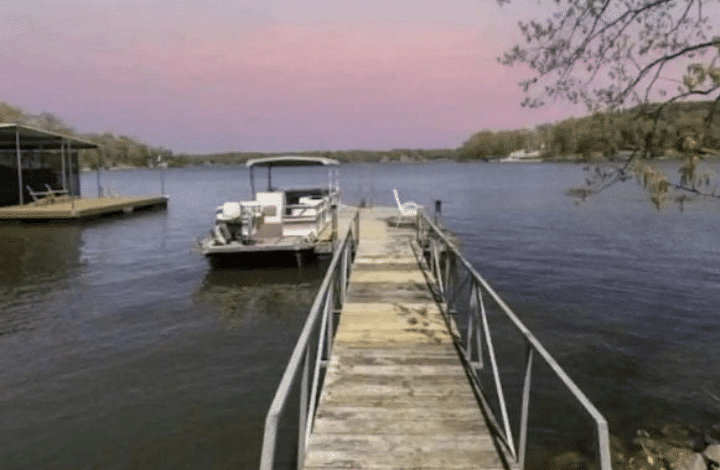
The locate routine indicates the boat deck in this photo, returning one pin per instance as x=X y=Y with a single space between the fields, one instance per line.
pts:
x=288 y=243
x=396 y=394
x=80 y=208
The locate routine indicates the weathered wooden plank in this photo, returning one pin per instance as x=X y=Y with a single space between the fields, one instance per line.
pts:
x=369 y=260
x=395 y=353
x=442 y=369
x=389 y=451
x=403 y=421
x=392 y=337
x=373 y=292
x=414 y=276
x=412 y=388
x=400 y=402
x=371 y=265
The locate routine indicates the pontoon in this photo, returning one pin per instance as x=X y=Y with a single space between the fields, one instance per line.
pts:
x=279 y=221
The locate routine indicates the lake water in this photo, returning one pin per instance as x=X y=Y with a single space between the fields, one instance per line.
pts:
x=121 y=348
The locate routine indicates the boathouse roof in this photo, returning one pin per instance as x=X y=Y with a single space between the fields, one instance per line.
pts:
x=290 y=160
x=32 y=138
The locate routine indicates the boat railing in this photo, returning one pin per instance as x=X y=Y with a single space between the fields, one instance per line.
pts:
x=320 y=213
x=471 y=306
x=308 y=362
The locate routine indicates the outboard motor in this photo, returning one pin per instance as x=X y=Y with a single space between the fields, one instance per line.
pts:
x=236 y=222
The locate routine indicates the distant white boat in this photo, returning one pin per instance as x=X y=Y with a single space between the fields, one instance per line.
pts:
x=522 y=156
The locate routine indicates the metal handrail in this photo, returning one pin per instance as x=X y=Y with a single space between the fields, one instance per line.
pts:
x=478 y=330
x=320 y=323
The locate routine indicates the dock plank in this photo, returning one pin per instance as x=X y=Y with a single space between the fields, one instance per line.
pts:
x=395 y=394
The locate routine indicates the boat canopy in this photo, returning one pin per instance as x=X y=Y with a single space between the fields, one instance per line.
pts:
x=286 y=161
x=291 y=160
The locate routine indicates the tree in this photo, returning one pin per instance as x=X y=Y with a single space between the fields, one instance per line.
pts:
x=642 y=55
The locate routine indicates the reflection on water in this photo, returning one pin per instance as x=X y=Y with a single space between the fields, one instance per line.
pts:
x=241 y=295
x=35 y=260
x=30 y=252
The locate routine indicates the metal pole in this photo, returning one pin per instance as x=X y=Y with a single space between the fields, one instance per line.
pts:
x=62 y=166
x=162 y=176
x=252 y=183
x=303 y=408
x=99 y=165
x=333 y=214
x=522 y=444
x=19 y=164
x=70 y=170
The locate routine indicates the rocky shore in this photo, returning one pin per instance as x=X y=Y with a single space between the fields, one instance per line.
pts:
x=673 y=447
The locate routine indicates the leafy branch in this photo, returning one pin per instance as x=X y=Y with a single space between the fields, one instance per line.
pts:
x=615 y=54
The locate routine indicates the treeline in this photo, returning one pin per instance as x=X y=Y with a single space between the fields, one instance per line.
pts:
x=599 y=136
x=666 y=132
x=115 y=150
x=344 y=156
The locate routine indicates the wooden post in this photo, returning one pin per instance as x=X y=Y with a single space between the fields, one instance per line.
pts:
x=19 y=164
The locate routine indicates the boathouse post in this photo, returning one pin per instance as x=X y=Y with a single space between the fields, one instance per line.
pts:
x=70 y=168
x=99 y=165
x=19 y=164
x=62 y=166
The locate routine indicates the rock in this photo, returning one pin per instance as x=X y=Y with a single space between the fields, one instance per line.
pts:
x=569 y=460
x=681 y=436
x=657 y=448
x=693 y=461
x=618 y=452
x=712 y=453
x=640 y=460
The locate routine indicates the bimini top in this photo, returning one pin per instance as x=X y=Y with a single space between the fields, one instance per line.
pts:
x=291 y=160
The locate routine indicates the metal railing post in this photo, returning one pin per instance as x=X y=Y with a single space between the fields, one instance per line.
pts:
x=334 y=233
x=302 y=423
x=330 y=308
x=496 y=374
x=525 y=412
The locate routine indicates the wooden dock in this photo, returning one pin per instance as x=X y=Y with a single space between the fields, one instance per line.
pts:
x=396 y=395
x=77 y=208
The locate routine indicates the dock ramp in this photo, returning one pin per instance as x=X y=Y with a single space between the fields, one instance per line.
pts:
x=386 y=379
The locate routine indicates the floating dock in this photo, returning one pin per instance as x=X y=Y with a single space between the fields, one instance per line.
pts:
x=396 y=394
x=77 y=208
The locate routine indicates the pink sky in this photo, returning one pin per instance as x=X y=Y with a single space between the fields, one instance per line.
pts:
x=226 y=75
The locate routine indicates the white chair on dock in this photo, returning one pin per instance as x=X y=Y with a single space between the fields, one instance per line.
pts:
x=407 y=209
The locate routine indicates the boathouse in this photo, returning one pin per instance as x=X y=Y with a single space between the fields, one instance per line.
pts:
x=40 y=179
x=37 y=161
